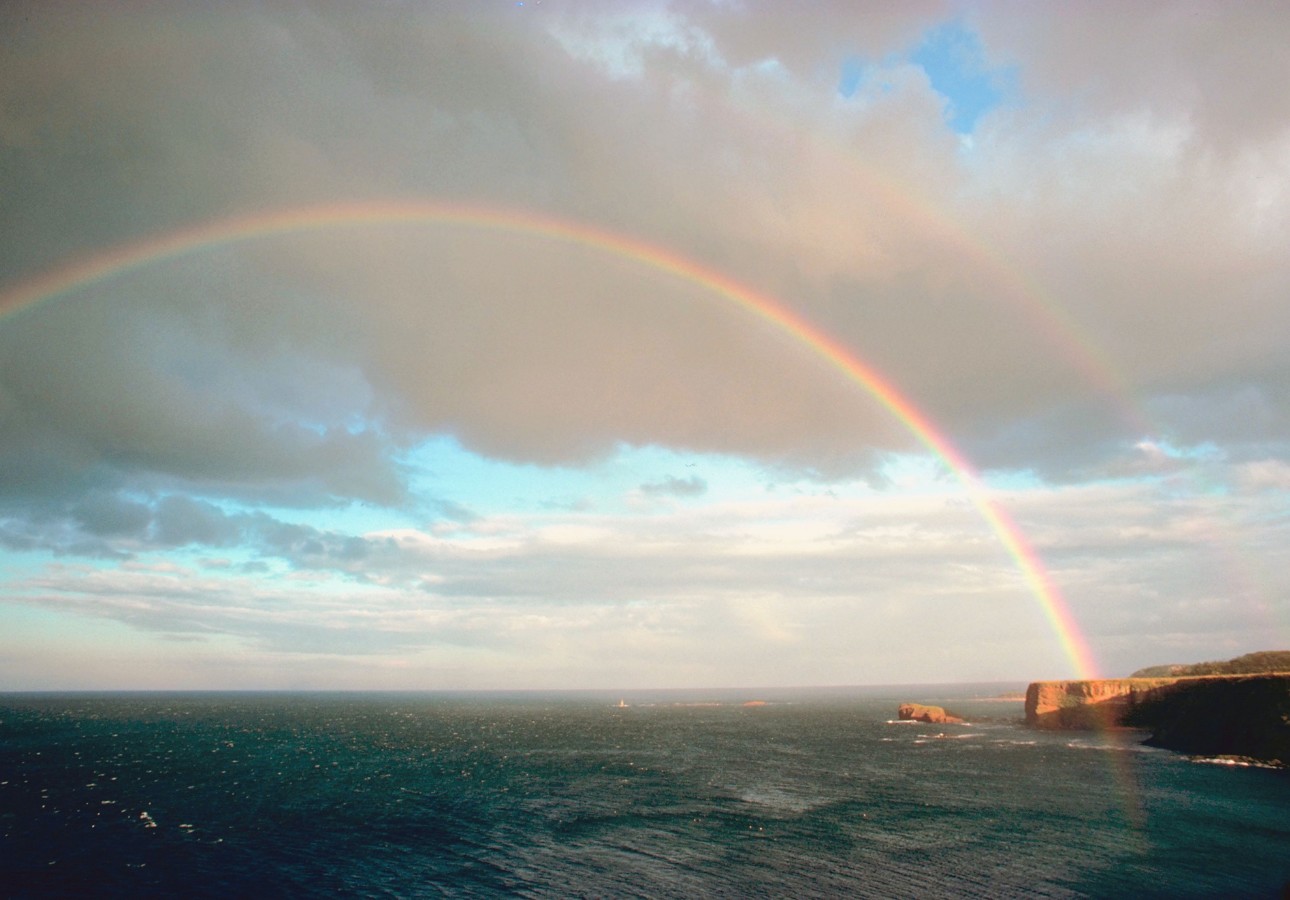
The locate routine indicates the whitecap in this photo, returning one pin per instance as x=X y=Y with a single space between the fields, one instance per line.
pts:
x=1242 y=762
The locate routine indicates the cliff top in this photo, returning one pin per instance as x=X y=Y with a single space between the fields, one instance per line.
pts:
x=1260 y=663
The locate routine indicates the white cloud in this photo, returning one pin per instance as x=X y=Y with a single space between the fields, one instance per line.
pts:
x=847 y=588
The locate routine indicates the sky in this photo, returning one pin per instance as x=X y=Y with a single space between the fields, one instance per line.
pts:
x=707 y=343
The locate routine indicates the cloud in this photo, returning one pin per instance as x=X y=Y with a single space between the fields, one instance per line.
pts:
x=1202 y=61
x=694 y=486
x=126 y=527
x=751 y=583
x=107 y=515
x=181 y=521
x=854 y=211
x=1265 y=474
x=814 y=42
x=1100 y=271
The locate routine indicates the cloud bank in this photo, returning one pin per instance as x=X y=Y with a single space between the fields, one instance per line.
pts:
x=1084 y=289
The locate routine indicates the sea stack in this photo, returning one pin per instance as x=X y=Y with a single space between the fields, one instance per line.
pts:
x=933 y=715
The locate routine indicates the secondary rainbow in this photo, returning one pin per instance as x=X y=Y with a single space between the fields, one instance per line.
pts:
x=239 y=229
x=1047 y=318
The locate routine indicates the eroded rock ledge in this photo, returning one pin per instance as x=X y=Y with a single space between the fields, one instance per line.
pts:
x=1087 y=704
x=932 y=714
x=1232 y=715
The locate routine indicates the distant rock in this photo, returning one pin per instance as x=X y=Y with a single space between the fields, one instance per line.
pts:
x=933 y=715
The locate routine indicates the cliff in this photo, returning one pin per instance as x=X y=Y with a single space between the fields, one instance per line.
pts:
x=1240 y=715
x=1237 y=715
x=1087 y=704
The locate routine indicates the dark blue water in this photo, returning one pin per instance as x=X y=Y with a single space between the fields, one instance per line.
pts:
x=678 y=795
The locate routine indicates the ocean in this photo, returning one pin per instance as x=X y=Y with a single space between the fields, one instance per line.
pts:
x=676 y=794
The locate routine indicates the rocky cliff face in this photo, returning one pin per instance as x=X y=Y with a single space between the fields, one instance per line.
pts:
x=1241 y=715
x=1238 y=715
x=1087 y=704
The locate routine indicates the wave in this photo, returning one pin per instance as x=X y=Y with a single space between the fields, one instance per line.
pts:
x=1114 y=748
x=1243 y=762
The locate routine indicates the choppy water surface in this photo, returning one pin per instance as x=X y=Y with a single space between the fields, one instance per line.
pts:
x=677 y=795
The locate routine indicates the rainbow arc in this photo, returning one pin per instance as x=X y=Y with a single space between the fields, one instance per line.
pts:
x=128 y=257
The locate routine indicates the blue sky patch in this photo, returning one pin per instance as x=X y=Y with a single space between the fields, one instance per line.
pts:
x=954 y=61
x=852 y=73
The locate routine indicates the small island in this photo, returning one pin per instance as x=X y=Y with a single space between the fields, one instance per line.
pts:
x=1239 y=707
x=933 y=715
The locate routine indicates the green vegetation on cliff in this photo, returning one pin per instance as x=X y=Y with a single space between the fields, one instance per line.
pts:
x=1263 y=662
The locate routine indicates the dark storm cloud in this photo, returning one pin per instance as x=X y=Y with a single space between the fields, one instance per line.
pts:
x=680 y=132
x=109 y=515
x=102 y=524
x=182 y=521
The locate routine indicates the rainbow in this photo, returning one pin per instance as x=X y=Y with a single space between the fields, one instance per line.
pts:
x=131 y=256
x=1010 y=283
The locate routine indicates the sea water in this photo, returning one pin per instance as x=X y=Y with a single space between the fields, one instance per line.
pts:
x=674 y=794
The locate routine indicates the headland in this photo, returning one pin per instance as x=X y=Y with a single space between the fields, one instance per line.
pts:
x=1245 y=715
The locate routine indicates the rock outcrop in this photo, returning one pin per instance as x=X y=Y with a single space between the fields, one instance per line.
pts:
x=1087 y=704
x=1239 y=715
x=934 y=715
x=1232 y=715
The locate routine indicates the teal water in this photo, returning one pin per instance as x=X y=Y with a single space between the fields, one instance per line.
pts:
x=681 y=794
